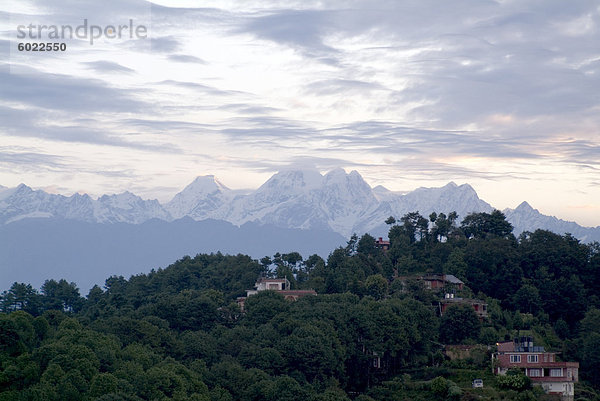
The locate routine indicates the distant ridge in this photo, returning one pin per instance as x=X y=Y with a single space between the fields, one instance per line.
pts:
x=36 y=249
x=526 y=218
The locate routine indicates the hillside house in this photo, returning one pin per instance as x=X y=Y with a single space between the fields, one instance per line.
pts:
x=540 y=366
x=434 y=282
x=275 y=284
x=478 y=305
x=381 y=244
x=442 y=281
x=279 y=285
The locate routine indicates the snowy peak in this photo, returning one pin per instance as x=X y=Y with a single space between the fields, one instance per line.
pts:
x=23 y=202
x=205 y=184
x=452 y=197
x=200 y=187
x=380 y=189
x=306 y=199
x=285 y=187
x=124 y=200
x=337 y=173
x=199 y=199
x=293 y=182
x=451 y=187
x=525 y=207
x=127 y=208
x=384 y=194
x=22 y=189
x=349 y=190
x=340 y=179
x=526 y=218
x=345 y=199
x=461 y=198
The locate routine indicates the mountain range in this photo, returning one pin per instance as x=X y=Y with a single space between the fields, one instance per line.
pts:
x=86 y=240
x=299 y=199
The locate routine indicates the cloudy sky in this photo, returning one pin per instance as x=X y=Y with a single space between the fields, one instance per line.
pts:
x=504 y=95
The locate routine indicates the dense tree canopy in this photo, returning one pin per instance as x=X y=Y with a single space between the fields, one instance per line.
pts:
x=374 y=332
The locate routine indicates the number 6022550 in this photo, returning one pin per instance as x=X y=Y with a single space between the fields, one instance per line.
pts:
x=42 y=47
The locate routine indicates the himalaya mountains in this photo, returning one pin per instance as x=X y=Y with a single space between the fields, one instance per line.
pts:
x=86 y=240
x=297 y=199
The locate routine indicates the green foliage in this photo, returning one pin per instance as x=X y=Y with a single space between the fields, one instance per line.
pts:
x=459 y=323
x=61 y=295
x=377 y=286
x=488 y=336
x=439 y=386
x=588 y=343
x=527 y=299
x=103 y=383
x=454 y=392
x=514 y=380
x=265 y=305
x=20 y=296
x=177 y=333
x=486 y=225
x=456 y=264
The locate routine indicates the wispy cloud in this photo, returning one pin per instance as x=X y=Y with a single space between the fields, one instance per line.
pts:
x=53 y=91
x=108 y=67
x=30 y=161
x=166 y=44
x=301 y=29
x=184 y=58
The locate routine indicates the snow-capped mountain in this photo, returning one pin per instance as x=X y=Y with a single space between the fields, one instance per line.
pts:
x=306 y=199
x=337 y=201
x=200 y=200
x=463 y=199
x=127 y=208
x=459 y=198
x=284 y=200
x=526 y=218
x=23 y=202
x=384 y=194
x=347 y=200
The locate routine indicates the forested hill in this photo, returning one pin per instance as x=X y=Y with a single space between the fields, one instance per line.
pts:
x=178 y=334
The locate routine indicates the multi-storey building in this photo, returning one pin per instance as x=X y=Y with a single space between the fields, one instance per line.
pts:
x=279 y=285
x=540 y=366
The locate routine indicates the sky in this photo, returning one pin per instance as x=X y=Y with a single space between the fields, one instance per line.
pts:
x=503 y=95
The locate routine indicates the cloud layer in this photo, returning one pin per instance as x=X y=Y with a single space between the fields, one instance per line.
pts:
x=501 y=94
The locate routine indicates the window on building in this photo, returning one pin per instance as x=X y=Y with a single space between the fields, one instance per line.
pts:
x=532 y=358
x=535 y=373
x=515 y=359
x=556 y=372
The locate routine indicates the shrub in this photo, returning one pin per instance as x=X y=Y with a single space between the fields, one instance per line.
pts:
x=514 y=380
